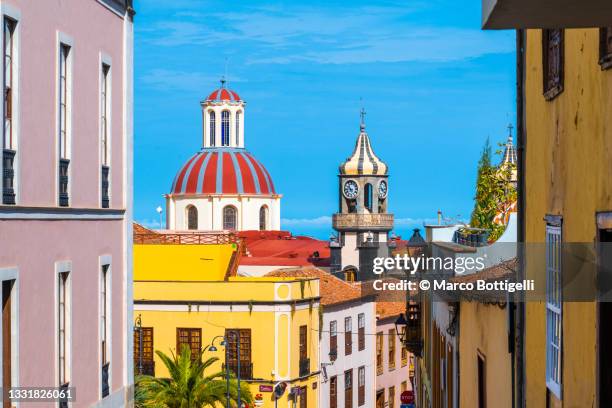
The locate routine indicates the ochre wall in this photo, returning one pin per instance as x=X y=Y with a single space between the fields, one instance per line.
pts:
x=181 y=262
x=568 y=173
x=483 y=328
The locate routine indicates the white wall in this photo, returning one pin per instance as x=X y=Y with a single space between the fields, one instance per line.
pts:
x=210 y=211
x=366 y=357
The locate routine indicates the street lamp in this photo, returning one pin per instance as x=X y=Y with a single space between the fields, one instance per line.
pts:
x=159 y=211
x=400 y=328
x=234 y=336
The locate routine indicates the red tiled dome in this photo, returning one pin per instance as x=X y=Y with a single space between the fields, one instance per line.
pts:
x=223 y=94
x=223 y=171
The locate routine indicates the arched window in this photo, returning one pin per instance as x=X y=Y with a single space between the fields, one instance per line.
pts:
x=192 y=218
x=229 y=218
x=367 y=197
x=263 y=218
x=225 y=128
x=212 y=124
x=238 y=114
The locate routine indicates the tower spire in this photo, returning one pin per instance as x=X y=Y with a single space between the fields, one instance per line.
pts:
x=362 y=115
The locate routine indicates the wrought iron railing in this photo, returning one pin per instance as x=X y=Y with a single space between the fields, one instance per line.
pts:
x=304 y=367
x=105 y=386
x=148 y=367
x=105 y=185
x=246 y=369
x=63 y=182
x=8 y=176
x=63 y=402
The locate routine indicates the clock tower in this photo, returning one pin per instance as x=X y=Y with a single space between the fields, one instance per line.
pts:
x=362 y=221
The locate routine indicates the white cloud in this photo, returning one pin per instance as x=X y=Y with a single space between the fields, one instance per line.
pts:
x=322 y=221
x=180 y=80
x=328 y=35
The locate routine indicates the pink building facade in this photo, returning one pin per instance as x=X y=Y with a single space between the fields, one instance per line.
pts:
x=65 y=213
x=392 y=361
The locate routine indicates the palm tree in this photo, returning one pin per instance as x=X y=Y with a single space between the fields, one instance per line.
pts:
x=188 y=385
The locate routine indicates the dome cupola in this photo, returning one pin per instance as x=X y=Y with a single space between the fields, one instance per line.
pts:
x=222 y=187
x=363 y=161
x=223 y=118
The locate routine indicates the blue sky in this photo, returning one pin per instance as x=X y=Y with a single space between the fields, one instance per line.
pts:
x=433 y=84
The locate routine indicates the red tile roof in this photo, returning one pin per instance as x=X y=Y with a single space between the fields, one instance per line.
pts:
x=389 y=309
x=332 y=290
x=283 y=249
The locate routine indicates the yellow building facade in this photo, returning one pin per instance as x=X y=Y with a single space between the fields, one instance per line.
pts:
x=568 y=190
x=182 y=294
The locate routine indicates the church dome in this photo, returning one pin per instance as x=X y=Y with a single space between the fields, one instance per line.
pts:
x=363 y=161
x=223 y=94
x=223 y=171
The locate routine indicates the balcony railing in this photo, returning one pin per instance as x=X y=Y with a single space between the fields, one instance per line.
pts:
x=194 y=238
x=63 y=402
x=370 y=222
x=63 y=182
x=105 y=387
x=8 y=176
x=304 y=367
x=246 y=369
x=105 y=184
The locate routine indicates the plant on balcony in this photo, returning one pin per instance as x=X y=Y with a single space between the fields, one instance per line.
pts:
x=188 y=385
x=494 y=191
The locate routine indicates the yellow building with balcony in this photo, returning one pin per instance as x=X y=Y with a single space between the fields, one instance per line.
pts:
x=186 y=293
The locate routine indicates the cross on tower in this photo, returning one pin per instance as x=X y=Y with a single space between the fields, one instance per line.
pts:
x=510 y=127
x=362 y=114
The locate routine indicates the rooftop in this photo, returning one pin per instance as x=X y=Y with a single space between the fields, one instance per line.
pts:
x=280 y=248
x=333 y=290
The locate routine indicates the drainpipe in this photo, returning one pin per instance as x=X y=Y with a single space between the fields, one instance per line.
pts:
x=518 y=377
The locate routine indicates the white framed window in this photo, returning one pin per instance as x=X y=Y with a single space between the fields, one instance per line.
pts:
x=105 y=110
x=105 y=325
x=230 y=218
x=104 y=313
x=361 y=320
x=105 y=132
x=263 y=217
x=62 y=318
x=64 y=100
x=333 y=328
x=64 y=109
x=9 y=358
x=8 y=151
x=63 y=311
x=9 y=26
x=238 y=115
x=225 y=128
x=554 y=309
x=212 y=125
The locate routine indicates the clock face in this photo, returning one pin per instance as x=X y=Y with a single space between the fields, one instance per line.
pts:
x=382 y=189
x=350 y=189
